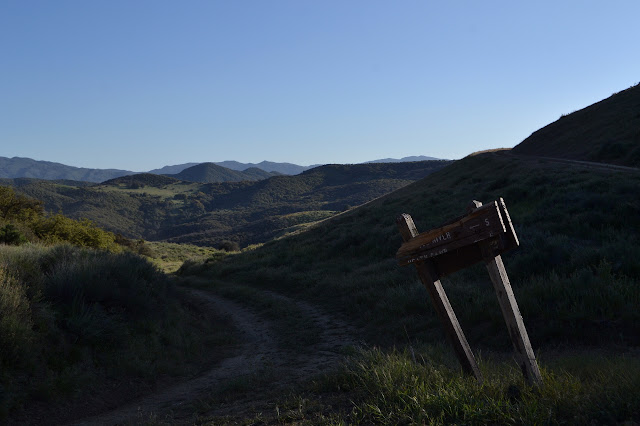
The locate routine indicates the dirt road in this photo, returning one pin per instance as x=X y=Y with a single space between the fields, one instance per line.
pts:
x=578 y=163
x=258 y=352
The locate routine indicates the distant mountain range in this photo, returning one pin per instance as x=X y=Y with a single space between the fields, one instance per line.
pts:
x=18 y=167
x=404 y=159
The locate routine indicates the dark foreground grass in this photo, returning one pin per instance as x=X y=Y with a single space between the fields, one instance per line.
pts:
x=73 y=320
x=390 y=388
x=425 y=386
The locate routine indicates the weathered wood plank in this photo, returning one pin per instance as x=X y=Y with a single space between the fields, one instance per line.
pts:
x=462 y=257
x=515 y=324
x=509 y=239
x=480 y=224
x=443 y=308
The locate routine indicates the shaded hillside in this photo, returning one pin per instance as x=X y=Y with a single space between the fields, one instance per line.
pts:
x=162 y=208
x=575 y=274
x=607 y=132
x=211 y=172
x=18 y=167
x=263 y=210
x=141 y=180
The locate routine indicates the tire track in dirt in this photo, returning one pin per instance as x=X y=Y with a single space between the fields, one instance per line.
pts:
x=258 y=346
x=580 y=163
x=259 y=350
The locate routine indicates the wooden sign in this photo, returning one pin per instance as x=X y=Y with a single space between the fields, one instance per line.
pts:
x=482 y=234
x=454 y=246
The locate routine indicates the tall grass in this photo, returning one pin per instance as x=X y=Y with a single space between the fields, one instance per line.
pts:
x=391 y=388
x=70 y=315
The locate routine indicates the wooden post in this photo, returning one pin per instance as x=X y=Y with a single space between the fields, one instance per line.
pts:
x=510 y=311
x=443 y=308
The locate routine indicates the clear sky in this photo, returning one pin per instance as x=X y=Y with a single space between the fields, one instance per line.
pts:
x=138 y=84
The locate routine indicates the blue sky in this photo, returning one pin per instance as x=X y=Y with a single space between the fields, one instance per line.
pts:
x=141 y=84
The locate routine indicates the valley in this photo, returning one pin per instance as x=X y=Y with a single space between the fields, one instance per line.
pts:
x=163 y=208
x=308 y=317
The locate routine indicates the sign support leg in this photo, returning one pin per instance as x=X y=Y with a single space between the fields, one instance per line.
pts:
x=441 y=303
x=511 y=312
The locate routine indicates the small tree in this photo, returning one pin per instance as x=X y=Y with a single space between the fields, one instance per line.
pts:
x=227 y=245
x=9 y=234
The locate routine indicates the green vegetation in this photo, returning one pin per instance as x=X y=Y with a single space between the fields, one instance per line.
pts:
x=22 y=219
x=392 y=389
x=169 y=257
x=74 y=318
x=210 y=172
x=607 y=132
x=574 y=275
x=420 y=387
x=161 y=208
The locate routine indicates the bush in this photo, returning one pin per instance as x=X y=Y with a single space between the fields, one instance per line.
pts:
x=229 y=246
x=68 y=313
x=10 y=234
x=83 y=233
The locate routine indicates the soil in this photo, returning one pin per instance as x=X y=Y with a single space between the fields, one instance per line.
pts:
x=258 y=355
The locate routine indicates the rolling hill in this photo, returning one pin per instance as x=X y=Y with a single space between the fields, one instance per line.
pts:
x=211 y=172
x=157 y=207
x=607 y=131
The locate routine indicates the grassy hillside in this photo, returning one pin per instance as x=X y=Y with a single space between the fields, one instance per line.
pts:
x=79 y=312
x=162 y=208
x=607 y=131
x=210 y=173
x=575 y=277
x=575 y=274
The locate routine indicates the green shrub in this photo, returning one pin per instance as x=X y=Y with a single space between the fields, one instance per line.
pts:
x=83 y=233
x=10 y=234
x=16 y=333
x=227 y=245
x=68 y=313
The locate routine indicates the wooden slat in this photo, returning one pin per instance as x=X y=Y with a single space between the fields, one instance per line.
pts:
x=455 y=259
x=507 y=300
x=482 y=223
x=443 y=308
x=510 y=239
x=511 y=313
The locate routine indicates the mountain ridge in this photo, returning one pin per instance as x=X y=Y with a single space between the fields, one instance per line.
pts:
x=23 y=167
x=607 y=131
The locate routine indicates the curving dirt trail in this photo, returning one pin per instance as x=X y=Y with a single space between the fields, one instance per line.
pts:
x=579 y=163
x=259 y=350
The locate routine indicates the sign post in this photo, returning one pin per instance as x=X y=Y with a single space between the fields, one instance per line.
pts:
x=429 y=278
x=482 y=234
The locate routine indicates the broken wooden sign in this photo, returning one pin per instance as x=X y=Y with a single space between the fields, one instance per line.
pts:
x=482 y=234
x=454 y=245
